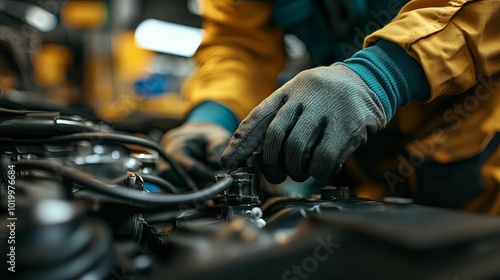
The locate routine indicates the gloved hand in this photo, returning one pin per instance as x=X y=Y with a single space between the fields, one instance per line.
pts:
x=197 y=147
x=308 y=126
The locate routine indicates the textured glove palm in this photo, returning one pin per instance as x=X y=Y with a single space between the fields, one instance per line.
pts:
x=309 y=126
x=197 y=147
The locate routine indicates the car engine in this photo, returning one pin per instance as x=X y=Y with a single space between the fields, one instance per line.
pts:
x=81 y=200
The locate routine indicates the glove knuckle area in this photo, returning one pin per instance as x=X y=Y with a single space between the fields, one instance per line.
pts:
x=324 y=159
x=319 y=76
x=172 y=146
x=269 y=106
x=357 y=138
x=333 y=150
x=277 y=133
x=294 y=153
x=300 y=145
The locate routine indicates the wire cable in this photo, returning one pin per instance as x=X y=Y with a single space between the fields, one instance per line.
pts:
x=160 y=182
x=125 y=195
x=155 y=180
x=100 y=137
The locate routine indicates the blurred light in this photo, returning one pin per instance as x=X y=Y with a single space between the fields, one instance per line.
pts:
x=166 y=37
x=40 y=19
x=51 y=212
x=194 y=7
x=115 y=154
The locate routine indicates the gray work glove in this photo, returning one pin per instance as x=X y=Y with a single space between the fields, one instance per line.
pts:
x=309 y=126
x=197 y=148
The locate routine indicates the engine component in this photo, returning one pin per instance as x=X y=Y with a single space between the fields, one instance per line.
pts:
x=74 y=223
x=242 y=196
x=384 y=241
x=125 y=195
x=56 y=240
x=134 y=181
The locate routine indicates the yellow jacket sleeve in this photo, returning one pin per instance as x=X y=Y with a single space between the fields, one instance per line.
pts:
x=455 y=41
x=240 y=56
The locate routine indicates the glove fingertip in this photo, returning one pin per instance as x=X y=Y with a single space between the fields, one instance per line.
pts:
x=235 y=156
x=299 y=178
x=250 y=133
x=273 y=174
x=228 y=160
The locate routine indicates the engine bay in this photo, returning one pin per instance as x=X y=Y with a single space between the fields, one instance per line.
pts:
x=81 y=200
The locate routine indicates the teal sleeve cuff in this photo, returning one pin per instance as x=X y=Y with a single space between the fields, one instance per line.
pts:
x=394 y=76
x=210 y=111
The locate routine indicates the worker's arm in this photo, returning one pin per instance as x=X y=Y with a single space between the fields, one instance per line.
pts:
x=455 y=42
x=240 y=57
x=309 y=126
x=237 y=65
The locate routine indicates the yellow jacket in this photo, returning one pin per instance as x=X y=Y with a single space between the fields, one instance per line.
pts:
x=240 y=57
x=456 y=42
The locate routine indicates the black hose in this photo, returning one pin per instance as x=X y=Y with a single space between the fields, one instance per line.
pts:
x=125 y=195
x=8 y=113
x=163 y=184
x=155 y=180
x=113 y=138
